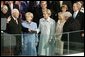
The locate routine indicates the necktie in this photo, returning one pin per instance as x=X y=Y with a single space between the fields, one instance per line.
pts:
x=74 y=15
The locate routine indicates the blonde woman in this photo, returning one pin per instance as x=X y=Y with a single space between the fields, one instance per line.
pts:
x=47 y=29
x=29 y=36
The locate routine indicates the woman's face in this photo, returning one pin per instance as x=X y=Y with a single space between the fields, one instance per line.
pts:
x=63 y=9
x=4 y=11
x=45 y=15
x=28 y=17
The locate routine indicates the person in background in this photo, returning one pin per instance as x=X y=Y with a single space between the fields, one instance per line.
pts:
x=47 y=29
x=4 y=12
x=64 y=9
x=56 y=7
x=77 y=15
x=30 y=38
x=22 y=6
x=10 y=5
x=35 y=8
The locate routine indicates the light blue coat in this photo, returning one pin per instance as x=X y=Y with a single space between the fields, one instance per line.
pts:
x=29 y=40
x=47 y=29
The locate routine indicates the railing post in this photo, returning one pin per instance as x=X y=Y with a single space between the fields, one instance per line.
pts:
x=68 y=42
x=10 y=45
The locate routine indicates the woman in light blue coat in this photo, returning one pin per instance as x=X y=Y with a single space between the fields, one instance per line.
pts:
x=47 y=29
x=29 y=40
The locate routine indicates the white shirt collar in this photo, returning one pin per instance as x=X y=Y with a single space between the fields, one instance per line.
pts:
x=14 y=18
x=76 y=12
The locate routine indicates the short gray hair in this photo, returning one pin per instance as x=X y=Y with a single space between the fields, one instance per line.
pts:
x=15 y=10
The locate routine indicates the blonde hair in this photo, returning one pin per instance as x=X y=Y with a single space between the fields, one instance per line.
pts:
x=4 y=7
x=64 y=6
x=29 y=13
x=48 y=11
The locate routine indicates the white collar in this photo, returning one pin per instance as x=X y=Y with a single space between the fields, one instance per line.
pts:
x=29 y=22
x=76 y=12
x=14 y=18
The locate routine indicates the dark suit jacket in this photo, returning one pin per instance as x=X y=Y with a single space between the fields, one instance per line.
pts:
x=69 y=26
x=14 y=28
x=80 y=18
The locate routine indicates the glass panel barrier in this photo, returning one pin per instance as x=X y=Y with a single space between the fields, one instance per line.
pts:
x=66 y=43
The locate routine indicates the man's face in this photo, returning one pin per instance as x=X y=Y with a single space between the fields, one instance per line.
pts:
x=43 y=4
x=16 y=14
x=75 y=7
